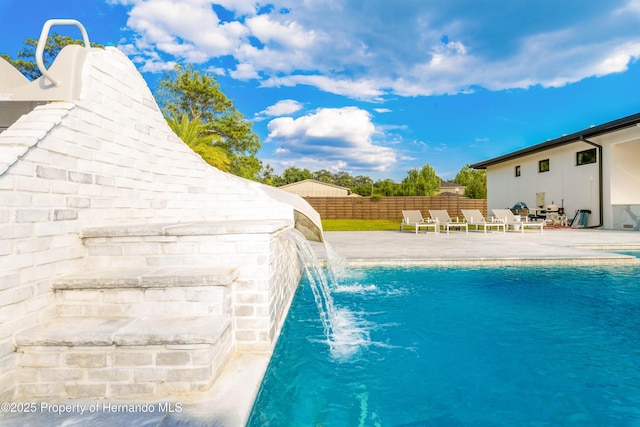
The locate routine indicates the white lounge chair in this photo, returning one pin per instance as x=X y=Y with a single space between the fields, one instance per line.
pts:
x=415 y=219
x=475 y=217
x=511 y=221
x=442 y=218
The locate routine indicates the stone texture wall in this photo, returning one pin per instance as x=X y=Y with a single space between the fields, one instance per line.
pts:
x=120 y=371
x=265 y=257
x=261 y=305
x=109 y=158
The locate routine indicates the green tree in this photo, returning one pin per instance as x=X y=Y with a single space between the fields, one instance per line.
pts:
x=293 y=174
x=465 y=175
x=477 y=188
x=187 y=92
x=246 y=166
x=423 y=182
x=194 y=134
x=362 y=185
x=475 y=181
x=387 y=187
x=25 y=61
x=269 y=176
x=323 y=175
x=343 y=179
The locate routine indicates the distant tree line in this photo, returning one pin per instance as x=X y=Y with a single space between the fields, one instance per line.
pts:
x=418 y=182
x=200 y=114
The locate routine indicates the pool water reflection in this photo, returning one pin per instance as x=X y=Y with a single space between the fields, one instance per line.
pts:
x=462 y=346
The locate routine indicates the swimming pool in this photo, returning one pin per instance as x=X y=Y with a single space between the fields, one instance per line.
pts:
x=461 y=347
x=630 y=252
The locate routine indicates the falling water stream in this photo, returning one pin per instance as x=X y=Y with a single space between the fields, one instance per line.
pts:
x=345 y=333
x=319 y=283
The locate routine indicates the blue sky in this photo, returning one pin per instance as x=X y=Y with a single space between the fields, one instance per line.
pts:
x=376 y=87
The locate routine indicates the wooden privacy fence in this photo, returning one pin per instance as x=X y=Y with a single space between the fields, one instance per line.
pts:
x=391 y=207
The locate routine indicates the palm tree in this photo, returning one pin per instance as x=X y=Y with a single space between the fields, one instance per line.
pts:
x=194 y=134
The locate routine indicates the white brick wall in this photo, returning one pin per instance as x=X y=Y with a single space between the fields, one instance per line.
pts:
x=262 y=299
x=119 y=371
x=109 y=158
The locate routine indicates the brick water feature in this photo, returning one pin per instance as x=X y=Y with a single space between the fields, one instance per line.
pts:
x=128 y=266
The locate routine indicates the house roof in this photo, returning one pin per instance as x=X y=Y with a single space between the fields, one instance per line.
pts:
x=451 y=184
x=563 y=140
x=314 y=181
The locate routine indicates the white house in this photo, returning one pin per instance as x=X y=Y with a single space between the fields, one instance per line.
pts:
x=596 y=169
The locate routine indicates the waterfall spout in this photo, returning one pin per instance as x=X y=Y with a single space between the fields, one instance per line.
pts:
x=318 y=281
x=344 y=330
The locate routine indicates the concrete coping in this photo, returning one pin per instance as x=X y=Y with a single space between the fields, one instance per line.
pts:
x=492 y=263
x=159 y=277
x=189 y=228
x=107 y=331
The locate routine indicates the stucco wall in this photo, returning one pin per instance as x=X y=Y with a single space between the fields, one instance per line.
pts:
x=625 y=174
x=565 y=184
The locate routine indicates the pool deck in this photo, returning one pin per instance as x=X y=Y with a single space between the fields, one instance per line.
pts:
x=558 y=246
x=229 y=402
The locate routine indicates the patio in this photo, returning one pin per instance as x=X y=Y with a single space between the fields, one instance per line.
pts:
x=570 y=246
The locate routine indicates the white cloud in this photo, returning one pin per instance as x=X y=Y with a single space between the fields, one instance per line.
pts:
x=559 y=62
x=632 y=6
x=241 y=7
x=331 y=137
x=280 y=108
x=358 y=89
x=289 y=33
x=274 y=60
x=185 y=29
x=447 y=57
x=218 y=71
x=618 y=59
x=244 y=72
x=151 y=66
x=368 y=50
x=149 y=62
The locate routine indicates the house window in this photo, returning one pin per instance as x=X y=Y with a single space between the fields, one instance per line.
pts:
x=543 y=165
x=585 y=157
x=518 y=170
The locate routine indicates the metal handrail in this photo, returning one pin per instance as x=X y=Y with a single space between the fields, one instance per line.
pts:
x=44 y=35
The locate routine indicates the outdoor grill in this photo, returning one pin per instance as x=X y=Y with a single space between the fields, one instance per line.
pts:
x=520 y=208
x=555 y=215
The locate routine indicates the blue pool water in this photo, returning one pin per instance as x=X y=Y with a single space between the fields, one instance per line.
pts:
x=631 y=252
x=462 y=347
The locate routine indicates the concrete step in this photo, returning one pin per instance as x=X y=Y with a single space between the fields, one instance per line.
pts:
x=122 y=357
x=148 y=277
x=146 y=292
x=207 y=228
x=180 y=244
